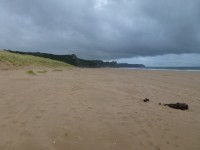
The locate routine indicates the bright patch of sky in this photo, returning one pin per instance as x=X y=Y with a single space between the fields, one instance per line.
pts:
x=170 y=60
x=100 y=4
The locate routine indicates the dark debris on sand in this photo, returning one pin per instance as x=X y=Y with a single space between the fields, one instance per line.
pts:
x=181 y=106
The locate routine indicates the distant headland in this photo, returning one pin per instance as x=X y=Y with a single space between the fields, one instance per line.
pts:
x=74 y=60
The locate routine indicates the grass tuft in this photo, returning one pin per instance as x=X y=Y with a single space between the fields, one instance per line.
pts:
x=31 y=72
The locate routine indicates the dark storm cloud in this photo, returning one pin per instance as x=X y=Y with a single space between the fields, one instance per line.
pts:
x=101 y=29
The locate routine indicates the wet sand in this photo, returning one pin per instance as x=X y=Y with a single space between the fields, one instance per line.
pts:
x=98 y=109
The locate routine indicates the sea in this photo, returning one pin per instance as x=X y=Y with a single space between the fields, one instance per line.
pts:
x=170 y=68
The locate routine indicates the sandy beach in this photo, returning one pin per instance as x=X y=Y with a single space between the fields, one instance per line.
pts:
x=98 y=109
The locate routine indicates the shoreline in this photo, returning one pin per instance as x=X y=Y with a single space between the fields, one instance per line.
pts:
x=166 y=68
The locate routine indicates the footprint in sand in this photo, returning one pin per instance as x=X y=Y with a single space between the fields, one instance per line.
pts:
x=73 y=109
x=4 y=125
x=90 y=108
x=38 y=116
x=124 y=123
x=78 y=118
x=157 y=148
x=176 y=137
x=167 y=129
x=143 y=132
x=55 y=103
x=25 y=133
x=150 y=143
x=23 y=124
x=119 y=113
x=14 y=121
x=149 y=124
x=6 y=145
x=42 y=111
x=76 y=88
x=159 y=119
x=8 y=117
x=167 y=142
x=133 y=133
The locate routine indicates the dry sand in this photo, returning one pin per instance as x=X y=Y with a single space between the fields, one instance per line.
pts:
x=98 y=109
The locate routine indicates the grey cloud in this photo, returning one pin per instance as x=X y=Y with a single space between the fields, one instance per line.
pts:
x=101 y=29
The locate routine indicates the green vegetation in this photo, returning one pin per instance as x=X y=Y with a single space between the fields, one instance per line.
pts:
x=31 y=72
x=42 y=71
x=15 y=59
x=74 y=60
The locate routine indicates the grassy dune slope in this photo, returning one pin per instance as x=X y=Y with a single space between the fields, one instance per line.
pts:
x=17 y=60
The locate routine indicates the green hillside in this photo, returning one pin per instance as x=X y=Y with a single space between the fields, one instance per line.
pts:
x=75 y=61
x=28 y=60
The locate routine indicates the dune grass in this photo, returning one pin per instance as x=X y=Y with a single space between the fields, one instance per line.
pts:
x=30 y=72
x=27 y=60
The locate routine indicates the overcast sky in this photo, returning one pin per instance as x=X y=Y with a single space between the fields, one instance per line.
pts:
x=155 y=32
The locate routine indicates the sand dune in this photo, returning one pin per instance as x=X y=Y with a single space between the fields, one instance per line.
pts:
x=98 y=109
